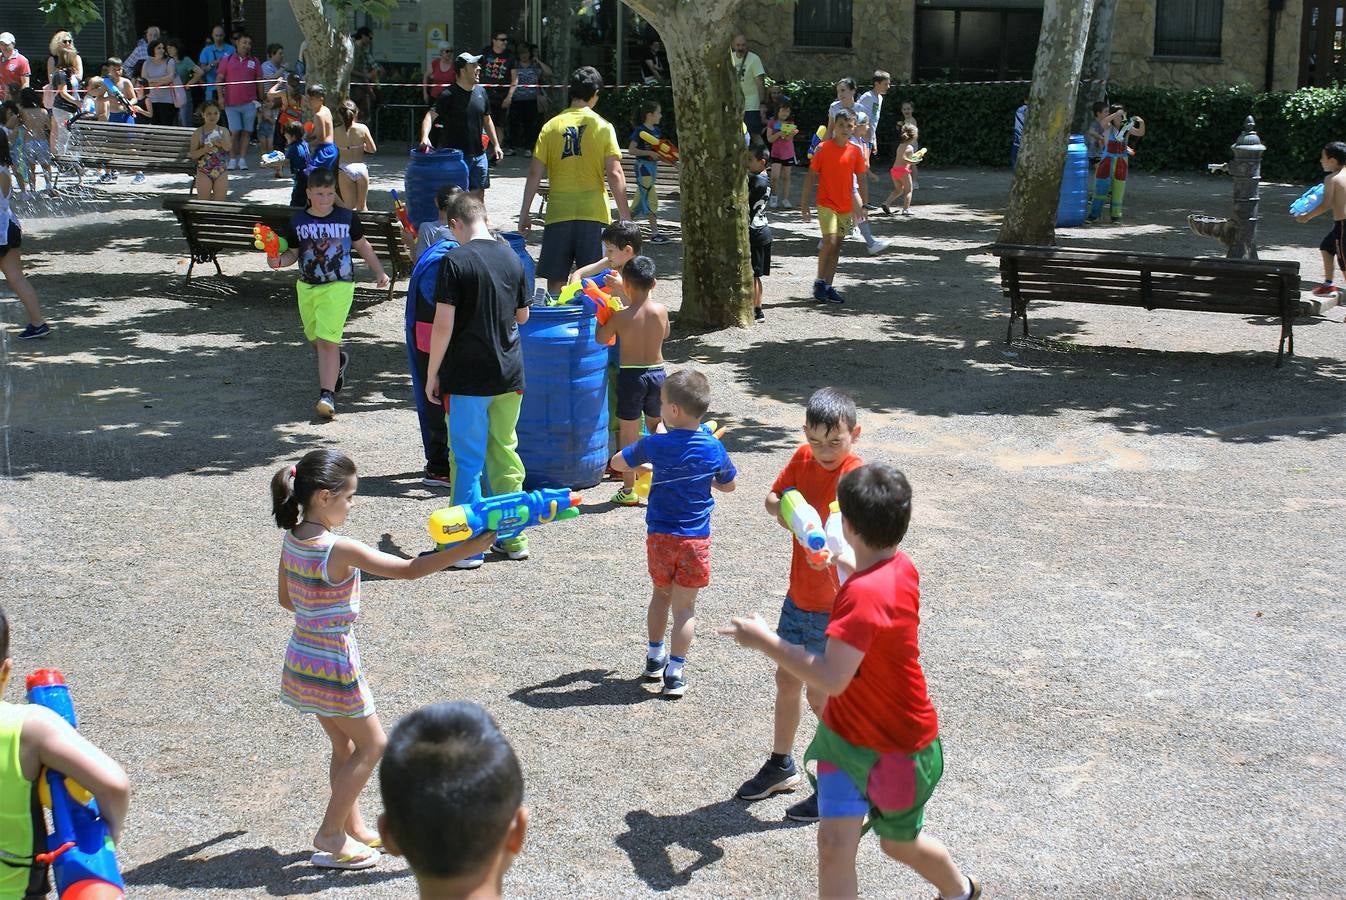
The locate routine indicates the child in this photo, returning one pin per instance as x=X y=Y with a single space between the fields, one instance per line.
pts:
x=647 y=166
x=1096 y=135
x=1110 y=175
x=780 y=135
x=687 y=462
x=453 y=799
x=322 y=150
x=12 y=123
x=877 y=746
x=354 y=141
x=909 y=118
x=430 y=233
x=210 y=149
x=11 y=239
x=32 y=737
x=871 y=101
x=1333 y=247
x=839 y=164
x=861 y=136
x=296 y=157
x=903 y=184
x=319 y=581
x=759 y=230
x=640 y=329
x=321 y=239
x=830 y=431
x=621 y=242
x=38 y=128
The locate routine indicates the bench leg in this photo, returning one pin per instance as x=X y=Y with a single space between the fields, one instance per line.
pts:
x=1287 y=335
x=190 y=265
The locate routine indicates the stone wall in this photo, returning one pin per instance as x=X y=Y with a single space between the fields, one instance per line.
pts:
x=881 y=38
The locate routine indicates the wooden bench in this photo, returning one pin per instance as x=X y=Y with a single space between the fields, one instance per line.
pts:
x=211 y=226
x=666 y=182
x=130 y=147
x=1153 y=281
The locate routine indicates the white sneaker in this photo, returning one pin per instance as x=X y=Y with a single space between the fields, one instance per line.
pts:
x=878 y=247
x=472 y=562
x=231 y=165
x=242 y=163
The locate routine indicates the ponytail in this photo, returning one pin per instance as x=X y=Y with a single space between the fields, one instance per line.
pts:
x=292 y=487
x=348 y=112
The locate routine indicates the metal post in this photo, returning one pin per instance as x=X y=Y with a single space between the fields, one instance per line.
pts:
x=1246 y=168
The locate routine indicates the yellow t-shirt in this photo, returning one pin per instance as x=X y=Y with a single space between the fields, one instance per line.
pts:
x=574 y=146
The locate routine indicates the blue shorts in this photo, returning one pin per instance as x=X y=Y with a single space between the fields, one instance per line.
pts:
x=569 y=245
x=242 y=118
x=803 y=628
x=638 y=392
x=478 y=172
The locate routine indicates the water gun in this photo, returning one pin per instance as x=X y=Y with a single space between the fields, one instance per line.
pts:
x=919 y=154
x=505 y=514
x=571 y=292
x=663 y=147
x=79 y=848
x=1308 y=201
x=817 y=139
x=263 y=238
x=805 y=522
x=836 y=541
x=645 y=474
x=116 y=93
x=788 y=129
x=401 y=209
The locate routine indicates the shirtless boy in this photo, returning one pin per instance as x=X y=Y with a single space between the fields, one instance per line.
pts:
x=1334 y=199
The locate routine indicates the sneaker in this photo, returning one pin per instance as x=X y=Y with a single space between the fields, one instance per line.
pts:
x=906 y=212
x=831 y=296
x=770 y=779
x=805 y=810
x=341 y=371
x=519 y=551
x=820 y=289
x=435 y=479
x=35 y=331
x=623 y=497
x=242 y=163
x=654 y=668
x=675 y=685
x=758 y=315
x=231 y=165
x=1326 y=289
x=472 y=562
x=139 y=179
x=878 y=246
x=658 y=238
x=773 y=203
x=326 y=405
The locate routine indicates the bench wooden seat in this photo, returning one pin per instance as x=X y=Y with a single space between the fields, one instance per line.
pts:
x=666 y=182
x=130 y=147
x=212 y=226
x=1152 y=281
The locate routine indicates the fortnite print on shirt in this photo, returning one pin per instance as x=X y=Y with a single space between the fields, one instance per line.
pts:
x=572 y=141
x=324 y=247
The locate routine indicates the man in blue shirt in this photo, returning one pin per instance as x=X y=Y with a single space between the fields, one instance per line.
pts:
x=210 y=57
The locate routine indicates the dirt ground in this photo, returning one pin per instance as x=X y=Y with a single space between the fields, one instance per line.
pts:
x=1128 y=529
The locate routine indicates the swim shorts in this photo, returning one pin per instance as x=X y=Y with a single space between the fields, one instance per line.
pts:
x=638 y=392
x=323 y=308
x=675 y=559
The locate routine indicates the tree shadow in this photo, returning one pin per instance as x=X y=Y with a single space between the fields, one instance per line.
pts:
x=603 y=690
x=250 y=869
x=648 y=839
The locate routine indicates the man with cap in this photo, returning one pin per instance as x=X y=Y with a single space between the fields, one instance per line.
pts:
x=464 y=115
x=14 y=68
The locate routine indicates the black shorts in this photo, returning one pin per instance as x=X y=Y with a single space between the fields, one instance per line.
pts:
x=1335 y=242
x=569 y=245
x=638 y=392
x=15 y=238
x=761 y=259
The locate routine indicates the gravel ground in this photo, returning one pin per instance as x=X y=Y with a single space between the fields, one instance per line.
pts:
x=1128 y=529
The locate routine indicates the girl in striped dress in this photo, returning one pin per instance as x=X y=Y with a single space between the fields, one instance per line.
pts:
x=319 y=580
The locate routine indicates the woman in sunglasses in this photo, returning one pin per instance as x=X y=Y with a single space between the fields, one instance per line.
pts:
x=439 y=74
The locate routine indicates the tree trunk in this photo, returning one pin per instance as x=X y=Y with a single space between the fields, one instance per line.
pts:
x=1097 y=62
x=716 y=268
x=121 y=26
x=1036 y=191
x=329 y=54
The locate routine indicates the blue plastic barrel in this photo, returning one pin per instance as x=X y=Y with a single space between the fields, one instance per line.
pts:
x=426 y=174
x=520 y=247
x=563 y=422
x=1074 y=202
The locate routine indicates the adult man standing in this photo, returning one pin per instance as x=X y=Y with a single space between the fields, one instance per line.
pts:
x=578 y=151
x=210 y=57
x=241 y=85
x=751 y=77
x=14 y=69
x=463 y=114
x=497 y=75
x=481 y=301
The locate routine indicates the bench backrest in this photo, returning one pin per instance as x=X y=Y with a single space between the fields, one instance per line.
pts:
x=131 y=146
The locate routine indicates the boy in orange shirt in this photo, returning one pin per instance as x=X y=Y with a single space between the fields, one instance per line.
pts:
x=839 y=166
x=830 y=430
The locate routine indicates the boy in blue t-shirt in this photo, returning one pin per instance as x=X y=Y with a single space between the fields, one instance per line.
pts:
x=647 y=167
x=688 y=461
x=296 y=154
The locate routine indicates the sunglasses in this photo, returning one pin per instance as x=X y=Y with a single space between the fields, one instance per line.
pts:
x=67 y=40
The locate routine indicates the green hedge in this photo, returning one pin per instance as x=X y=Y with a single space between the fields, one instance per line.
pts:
x=971 y=124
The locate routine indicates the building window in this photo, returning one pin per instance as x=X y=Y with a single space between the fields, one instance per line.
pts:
x=1188 y=27
x=981 y=44
x=823 y=23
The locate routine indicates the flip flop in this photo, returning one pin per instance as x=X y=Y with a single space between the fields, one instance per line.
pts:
x=365 y=859
x=376 y=844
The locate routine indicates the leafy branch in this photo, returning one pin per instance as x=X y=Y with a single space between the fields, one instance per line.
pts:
x=71 y=14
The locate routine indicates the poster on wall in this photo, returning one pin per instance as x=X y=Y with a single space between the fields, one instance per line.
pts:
x=400 y=39
x=434 y=33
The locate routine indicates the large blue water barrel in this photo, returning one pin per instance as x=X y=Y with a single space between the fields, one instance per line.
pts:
x=563 y=423
x=1071 y=210
x=426 y=174
x=520 y=247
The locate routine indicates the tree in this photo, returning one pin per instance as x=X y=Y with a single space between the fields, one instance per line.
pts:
x=1035 y=193
x=71 y=15
x=1097 y=61
x=330 y=52
x=716 y=272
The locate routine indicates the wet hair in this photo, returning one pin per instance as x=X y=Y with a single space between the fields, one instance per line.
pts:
x=847 y=82
x=690 y=390
x=844 y=113
x=272 y=48
x=155 y=44
x=881 y=76
x=6 y=159
x=316 y=90
x=875 y=500
x=830 y=409
x=909 y=132
x=451 y=786
x=348 y=112
x=623 y=234
x=113 y=61
x=639 y=273
x=4 y=635
x=444 y=193
x=645 y=109
x=319 y=470
x=1336 y=150
x=294 y=130
x=1098 y=106
x=584 y=83
x=465 y=208
x=321 y=178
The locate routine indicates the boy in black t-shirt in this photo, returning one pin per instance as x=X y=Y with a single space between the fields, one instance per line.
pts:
x=476 y=360
x=759 y=232
x=321 y=239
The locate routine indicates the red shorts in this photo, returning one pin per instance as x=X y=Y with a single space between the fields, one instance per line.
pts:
x=673 y=559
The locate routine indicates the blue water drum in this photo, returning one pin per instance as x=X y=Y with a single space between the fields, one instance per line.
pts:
x=520 y=247
x=1074 y=184
x=426 y=174
x=563 y=423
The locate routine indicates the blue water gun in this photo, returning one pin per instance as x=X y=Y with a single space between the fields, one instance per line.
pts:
x=1308 y=201
x=79 y=849
x=505 y=514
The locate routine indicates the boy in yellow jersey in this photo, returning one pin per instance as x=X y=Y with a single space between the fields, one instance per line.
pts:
x=578 y=151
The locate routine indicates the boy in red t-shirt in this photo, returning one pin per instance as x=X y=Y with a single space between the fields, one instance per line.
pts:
x=840 y=167
x=877 y=746
x=830 y=429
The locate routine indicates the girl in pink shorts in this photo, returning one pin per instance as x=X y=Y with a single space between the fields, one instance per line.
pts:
x=906 y=160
